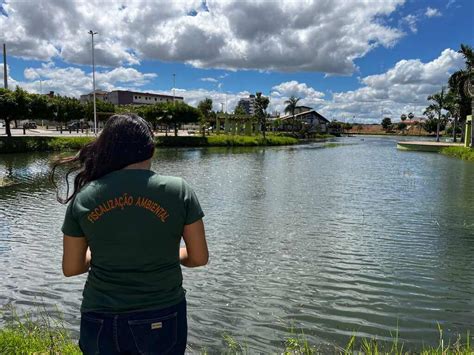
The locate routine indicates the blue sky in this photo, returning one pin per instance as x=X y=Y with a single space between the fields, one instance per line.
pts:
x=328 y=55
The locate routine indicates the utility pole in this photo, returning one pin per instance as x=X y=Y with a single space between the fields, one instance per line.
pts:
x=5 y=73
x=92 y=33
x=174 y=86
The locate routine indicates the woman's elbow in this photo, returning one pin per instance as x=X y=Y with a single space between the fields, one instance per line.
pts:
x=72 y=271
x=68 y=273
x=201 y=260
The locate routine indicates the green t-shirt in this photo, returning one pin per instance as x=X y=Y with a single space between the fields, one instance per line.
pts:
x=133 y=221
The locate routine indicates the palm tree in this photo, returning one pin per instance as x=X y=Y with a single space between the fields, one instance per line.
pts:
x=439 y=103
x=452 y=106
x=291 y=105
x=458 y=83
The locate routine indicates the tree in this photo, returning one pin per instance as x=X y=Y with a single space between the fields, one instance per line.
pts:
x=452 y=105
x=291 y=105
x=458 y=83
x=205 y=110
x=261 y=104
x=179 y=112
x=387 y=123
x=104 y=110
x=41 y=107
x=439 y=103
x=239 y=111
x=22 y=99
x=8 y=107
x=402 y=126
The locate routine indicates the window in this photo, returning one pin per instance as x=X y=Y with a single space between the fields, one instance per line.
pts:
x=136 y=97
x=155 y=98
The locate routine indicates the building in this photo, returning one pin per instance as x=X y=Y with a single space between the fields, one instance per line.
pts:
x=307 y=117
x=99 y=95
x=248 y=104
x=125 y=97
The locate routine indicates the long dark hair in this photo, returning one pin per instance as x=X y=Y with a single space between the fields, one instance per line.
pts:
x=125 y=139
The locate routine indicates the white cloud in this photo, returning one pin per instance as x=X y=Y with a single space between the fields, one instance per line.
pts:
x=73 y=81
x=450 y=3
x=211 y=80
x=324 y=36
x=410 y=21
x=430 y=12
x=401 y=89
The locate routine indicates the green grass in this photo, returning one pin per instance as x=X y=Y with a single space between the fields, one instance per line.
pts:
x=48 y=336
x=229 y=140
x=42 y=335
x=39 y=144
x=224 y=141
x=459 y=152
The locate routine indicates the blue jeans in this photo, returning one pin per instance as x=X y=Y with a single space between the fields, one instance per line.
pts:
x=161 y=331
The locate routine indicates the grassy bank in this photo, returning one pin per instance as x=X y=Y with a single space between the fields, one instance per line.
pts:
x=459 y=152
x=42 y=144
x=44 y=335
x=47 y=336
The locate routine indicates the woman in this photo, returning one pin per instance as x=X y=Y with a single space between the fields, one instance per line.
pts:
x=123 y=226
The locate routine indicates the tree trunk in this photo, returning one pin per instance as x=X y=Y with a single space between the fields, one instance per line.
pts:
x=16 y=123
x=437 y=129
x=7 y=128
x=175 y=129
x=454 y=130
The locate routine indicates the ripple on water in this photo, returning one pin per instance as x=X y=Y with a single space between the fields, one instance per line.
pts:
x=359 y=238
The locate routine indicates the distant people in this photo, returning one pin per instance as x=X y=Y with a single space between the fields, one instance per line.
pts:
x=123 y=226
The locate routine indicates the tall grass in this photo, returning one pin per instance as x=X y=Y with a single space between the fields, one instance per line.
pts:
x=459 y=152
x=45 y=335
x=35 y=335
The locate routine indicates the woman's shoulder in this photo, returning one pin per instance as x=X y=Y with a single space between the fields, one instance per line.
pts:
x=174 y=182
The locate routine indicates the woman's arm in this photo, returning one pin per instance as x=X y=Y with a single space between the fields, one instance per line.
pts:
x=76 y=256
x=195 y=253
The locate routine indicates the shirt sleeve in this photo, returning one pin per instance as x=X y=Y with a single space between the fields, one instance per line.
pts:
x=193 y=211
x=71 y=226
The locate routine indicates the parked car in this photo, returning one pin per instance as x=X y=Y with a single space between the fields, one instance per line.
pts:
x=75 y=125
x=29 y=125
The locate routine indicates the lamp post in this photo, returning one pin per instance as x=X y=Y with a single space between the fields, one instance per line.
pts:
x=174 y=86
x=92 y=33
x=5 y=73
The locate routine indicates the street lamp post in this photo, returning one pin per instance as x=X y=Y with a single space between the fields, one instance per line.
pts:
x=174 y=87
x=92 y=33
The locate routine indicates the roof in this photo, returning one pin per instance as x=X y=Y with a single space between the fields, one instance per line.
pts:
x=147 y=93
x=305 y=113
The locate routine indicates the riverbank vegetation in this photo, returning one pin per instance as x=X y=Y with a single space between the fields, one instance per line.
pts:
x=48 y=336
x=459 y=152
x=43 y=144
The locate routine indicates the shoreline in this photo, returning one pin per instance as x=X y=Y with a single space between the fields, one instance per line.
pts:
x=50 y=336
x=25 y=144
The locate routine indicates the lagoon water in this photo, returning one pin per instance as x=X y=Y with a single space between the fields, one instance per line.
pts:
x=357 y=238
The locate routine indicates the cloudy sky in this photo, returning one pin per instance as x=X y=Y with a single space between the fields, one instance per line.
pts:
x=355 y=60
